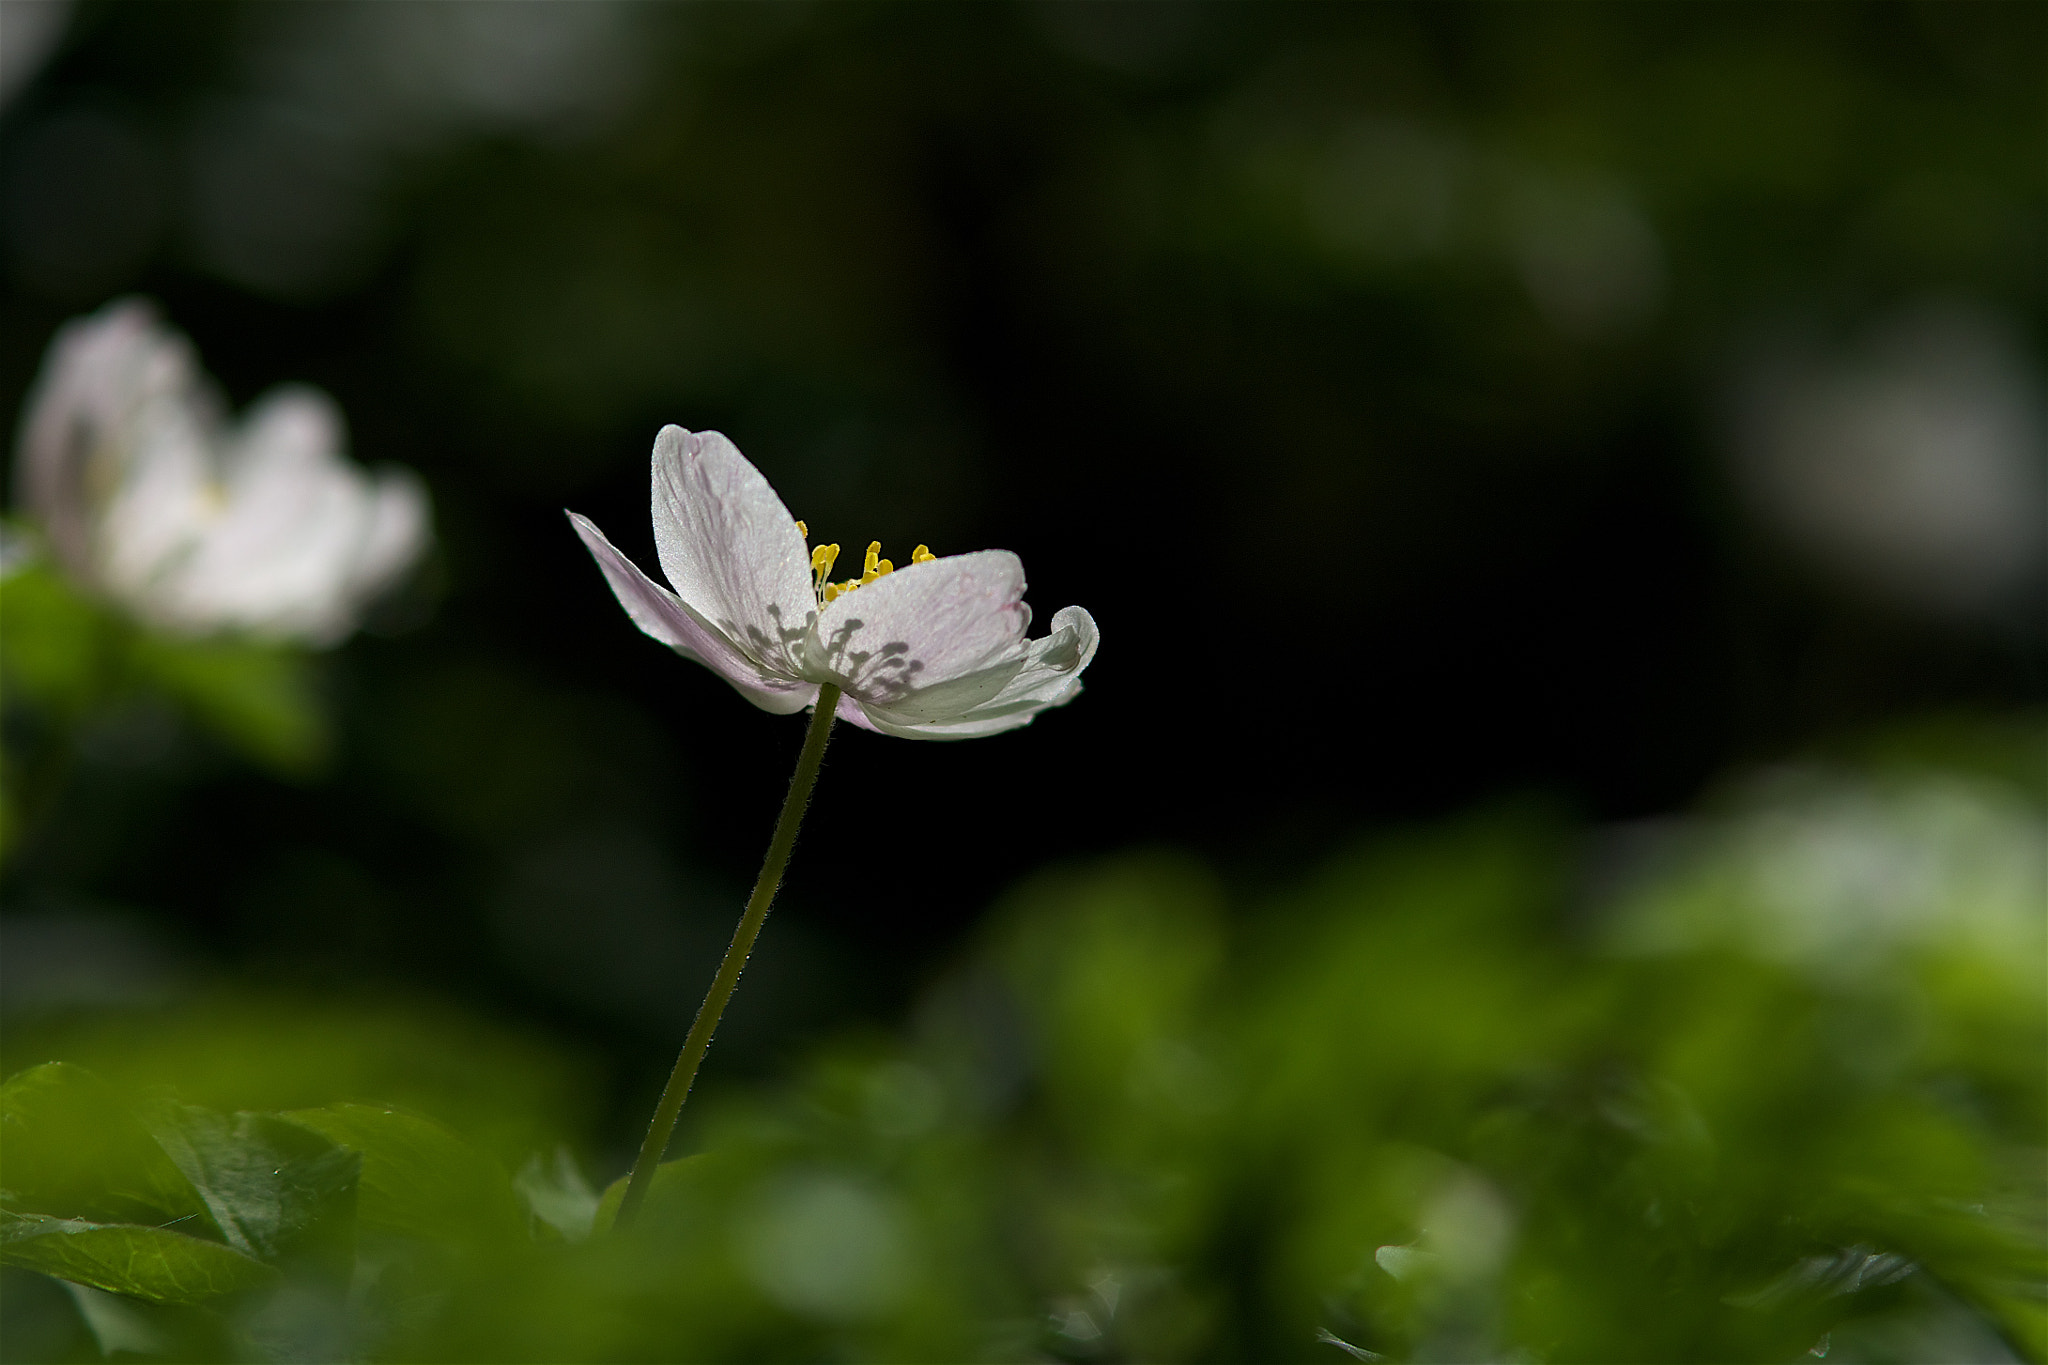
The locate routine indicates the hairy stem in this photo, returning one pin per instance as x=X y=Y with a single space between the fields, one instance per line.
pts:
x=699 y=1042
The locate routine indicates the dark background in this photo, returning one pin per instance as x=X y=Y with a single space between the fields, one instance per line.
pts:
x=1366 y=371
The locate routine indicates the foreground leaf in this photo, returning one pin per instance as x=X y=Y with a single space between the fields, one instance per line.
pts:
x=672 y=1180
x=419 y=1179
x=71 y=1147
x=150 y=1263
x=276 y=1189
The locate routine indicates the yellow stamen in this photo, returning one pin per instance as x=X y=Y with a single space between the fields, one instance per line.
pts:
x=873 y=566
x=821 y=566
x=802 y=529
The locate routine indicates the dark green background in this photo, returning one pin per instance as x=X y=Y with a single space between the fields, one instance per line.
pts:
x=1372 y=535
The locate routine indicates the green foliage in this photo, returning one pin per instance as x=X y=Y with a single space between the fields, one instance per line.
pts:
x=152 y=1264
x=258 y=698
x=75 y=1148
x=419 y=1179
x=1733 y=1110
x=65 y=660
x=507 y=1091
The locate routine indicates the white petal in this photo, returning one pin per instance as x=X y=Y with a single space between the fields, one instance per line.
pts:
x=102 y=372
x=661 y=614
x=1049 y=676
x=958 y=620
x=291 y=516
x=398 y=533
x=153 y=518
x=731 y=549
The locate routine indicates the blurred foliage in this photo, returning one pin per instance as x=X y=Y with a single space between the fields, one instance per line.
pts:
x=1766 y=1082
x=71 y=666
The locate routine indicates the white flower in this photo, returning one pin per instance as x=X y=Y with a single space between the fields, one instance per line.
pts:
x=934 y=650
x=149 y=498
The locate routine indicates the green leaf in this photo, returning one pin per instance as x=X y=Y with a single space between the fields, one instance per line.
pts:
x=71 y=1147
x=258 y=697
x=149 y=1262
x=672 y=1180
x=419 y=1179
x=55 y=652
x=276 y=1189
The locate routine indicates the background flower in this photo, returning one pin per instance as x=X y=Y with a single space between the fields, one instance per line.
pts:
x=150 y=497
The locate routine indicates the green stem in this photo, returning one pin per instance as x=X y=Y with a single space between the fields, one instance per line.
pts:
x=699 y=1042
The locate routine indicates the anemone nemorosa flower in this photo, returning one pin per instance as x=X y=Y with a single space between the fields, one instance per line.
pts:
x=148 y=497
x=934 y=650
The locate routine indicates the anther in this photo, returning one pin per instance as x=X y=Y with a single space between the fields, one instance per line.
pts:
x=821 y=569
x=802 y=529
x=875 y=566
x=921 y=554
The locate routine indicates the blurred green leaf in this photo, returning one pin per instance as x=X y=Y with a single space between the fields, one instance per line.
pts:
x=71 y=1146
x=673 y=1181
x=66 y=655
x=258 y=697
x=508 y=1090
x=419 y=1179
x=55 y=651
x=151 y=1263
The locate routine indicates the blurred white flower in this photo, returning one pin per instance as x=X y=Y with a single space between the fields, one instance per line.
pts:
x=935 y=650
x=150 y=498
x=1912 y=462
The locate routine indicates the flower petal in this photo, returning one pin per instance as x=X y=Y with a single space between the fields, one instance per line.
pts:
x=397 y=535
x=287 y=518
x=850 y=712
x=958 y=620
x=1049 y=675
x=663 y=615
x=731 y=549
x=103 y=375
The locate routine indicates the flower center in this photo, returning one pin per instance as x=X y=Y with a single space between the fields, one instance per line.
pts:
x=825 y=556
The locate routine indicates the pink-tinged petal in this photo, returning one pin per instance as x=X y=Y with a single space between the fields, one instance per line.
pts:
x=850 y=712
x=731 y=549
x=661 y=614
x=956 y=621
x=1049 y=676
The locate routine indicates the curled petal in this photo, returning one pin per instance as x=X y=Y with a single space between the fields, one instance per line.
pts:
x=955 y=623
x=666 y=617
x=1049 y=675
x=731 y=549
